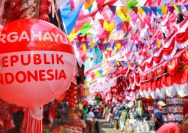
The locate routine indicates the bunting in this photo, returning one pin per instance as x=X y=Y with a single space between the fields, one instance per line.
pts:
x=124 y=22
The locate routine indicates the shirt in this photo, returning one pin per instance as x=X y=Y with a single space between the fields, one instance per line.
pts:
x=116 y=113
x=158 y=116
x=90 y=116
x=84 y=113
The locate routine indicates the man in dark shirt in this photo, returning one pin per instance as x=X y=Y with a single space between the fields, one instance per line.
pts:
x=158 y=115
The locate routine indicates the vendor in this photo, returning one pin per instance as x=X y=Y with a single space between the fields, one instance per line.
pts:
x=158 y=115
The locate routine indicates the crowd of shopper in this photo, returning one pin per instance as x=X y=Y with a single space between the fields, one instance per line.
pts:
x=91 y=115
x=119 y=115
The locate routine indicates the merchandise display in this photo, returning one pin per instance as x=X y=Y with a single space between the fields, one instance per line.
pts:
x=173 y=111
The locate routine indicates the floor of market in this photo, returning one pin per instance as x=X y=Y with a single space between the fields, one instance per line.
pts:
x=104 y=127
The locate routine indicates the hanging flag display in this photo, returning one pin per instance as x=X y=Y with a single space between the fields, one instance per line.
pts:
x=128 y=34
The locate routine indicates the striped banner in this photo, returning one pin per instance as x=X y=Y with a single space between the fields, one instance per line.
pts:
x=30 y=124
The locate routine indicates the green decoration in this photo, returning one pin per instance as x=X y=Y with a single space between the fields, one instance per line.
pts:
x=85 y=29
x=131 y=4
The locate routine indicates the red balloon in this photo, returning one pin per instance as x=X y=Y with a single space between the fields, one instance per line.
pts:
x=37 y=62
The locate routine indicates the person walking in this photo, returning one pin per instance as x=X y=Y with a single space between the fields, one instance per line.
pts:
x=116 y=114
x=123 y=115
x=90 y=121
x=96 y=113
x=111 y=117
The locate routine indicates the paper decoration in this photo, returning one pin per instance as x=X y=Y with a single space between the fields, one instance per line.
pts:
x=85 y=29
x=146 y=10
x=113 y=9
x=108 y=26
x=124 y=18
x=132 y=3
x=140 y=11
x=69 y=16
x=178 y=8
x=88 y=3
x=170 y=9
x=164 y=9
x=107 y=13
x=135 y=9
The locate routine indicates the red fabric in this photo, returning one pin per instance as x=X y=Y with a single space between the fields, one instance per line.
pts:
x=148 y=86
x=184 y=56
x=160 y=70
x=137 y=78
x=150 y=75
x=124 y=71
x=142 y=67
x=153 y=86
x=158 y=58
x=31 y=125
x=131 y=80
x=182 y=37
x=182 y=77
x=52 y=111
x=158 y=84
x=168 y=51
x=143 y=77
x=142 y=86
x=168 y=80
x=172 y=66
x=149 y=64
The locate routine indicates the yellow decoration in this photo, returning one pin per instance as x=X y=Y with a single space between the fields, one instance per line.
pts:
x=118 y=45
x=124 y=18
x=72 y=35
x=158 y=44
x=140 y=11
x=97 y=74
x=87 y=5
x=118 y=63
x=124 y=10
x=176 y=8
x=92 y=44
x=108 y=27
x=164 y=10
x=84 y=48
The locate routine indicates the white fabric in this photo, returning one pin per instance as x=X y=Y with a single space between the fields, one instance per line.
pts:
x=36 y=113
x=90 y=116
x=182 y=45
x=181 y=90
x=171 y=55
x=154 y=94
x=170 y=91
x=161 y=93
x=141 y=93
x=148 y=93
